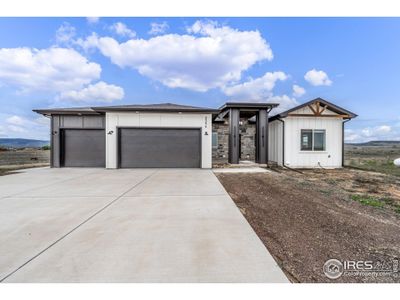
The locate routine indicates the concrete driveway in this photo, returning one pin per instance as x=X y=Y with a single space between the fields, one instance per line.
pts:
x=128 y=225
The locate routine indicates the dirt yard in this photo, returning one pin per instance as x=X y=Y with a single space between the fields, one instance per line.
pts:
x=306 y=218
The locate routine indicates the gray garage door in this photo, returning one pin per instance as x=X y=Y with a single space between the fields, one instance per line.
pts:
x=159 y=148
x=83 y=148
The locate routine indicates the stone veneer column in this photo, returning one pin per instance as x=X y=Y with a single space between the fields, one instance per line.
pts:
x=262 y=137
x=234 y=117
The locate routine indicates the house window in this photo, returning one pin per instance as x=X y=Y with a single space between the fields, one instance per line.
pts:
x=215 y=140
x=313 y=140
x=319 y=140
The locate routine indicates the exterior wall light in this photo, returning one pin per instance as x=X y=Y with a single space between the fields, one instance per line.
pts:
x=110 y=132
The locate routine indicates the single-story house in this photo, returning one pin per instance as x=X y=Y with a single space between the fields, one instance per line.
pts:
x=179 y=136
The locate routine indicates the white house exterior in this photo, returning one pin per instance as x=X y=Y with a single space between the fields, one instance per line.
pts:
x=168 y=135
x=115 y=120
x=308 y=136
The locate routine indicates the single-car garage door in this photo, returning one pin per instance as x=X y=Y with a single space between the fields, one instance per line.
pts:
x=83 y=148
x=159 y=148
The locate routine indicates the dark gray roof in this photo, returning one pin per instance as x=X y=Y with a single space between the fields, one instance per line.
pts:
x=248 y=105
x=156 y=107
x=329 y=105
x=66 y=111
x=161 y=107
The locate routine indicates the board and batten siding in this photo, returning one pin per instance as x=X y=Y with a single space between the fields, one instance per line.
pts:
x=157 y=120
x=275 y=130
x=330 y=158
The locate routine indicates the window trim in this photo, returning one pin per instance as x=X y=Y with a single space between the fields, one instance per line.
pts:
x=313 y=131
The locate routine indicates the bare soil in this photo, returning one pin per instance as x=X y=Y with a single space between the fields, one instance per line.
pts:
x=306 y=218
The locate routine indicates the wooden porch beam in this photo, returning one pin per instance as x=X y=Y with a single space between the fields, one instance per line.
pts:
x=318 y=108
x=323 y=109
x=313 y=110
x=323 y=116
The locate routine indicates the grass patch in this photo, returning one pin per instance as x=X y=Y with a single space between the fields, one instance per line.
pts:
x=367 y=200
x=381 y=166
x=397 y=210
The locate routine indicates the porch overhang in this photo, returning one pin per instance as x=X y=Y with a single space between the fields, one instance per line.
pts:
x=236 y=110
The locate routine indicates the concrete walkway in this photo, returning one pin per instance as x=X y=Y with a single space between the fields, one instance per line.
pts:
x=128 y=225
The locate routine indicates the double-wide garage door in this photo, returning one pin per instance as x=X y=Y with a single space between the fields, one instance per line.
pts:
x=159 y=148
x=138 y=148
x=83 y=148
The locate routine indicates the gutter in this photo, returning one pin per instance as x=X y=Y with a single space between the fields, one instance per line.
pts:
x=283 y=141
x=343 y=140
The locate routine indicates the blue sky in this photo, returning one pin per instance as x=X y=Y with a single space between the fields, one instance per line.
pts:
x=58 y=62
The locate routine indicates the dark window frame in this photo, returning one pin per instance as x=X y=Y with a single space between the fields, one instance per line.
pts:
x=311 y=134
x=319 y=131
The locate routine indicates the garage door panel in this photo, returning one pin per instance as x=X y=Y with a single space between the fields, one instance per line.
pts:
x=84 y=148
x=159 y=148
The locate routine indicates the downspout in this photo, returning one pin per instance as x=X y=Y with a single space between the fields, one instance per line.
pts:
x=283 y=142
x=343 y=140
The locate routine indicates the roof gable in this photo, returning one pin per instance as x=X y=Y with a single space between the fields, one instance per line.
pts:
x=316 y=108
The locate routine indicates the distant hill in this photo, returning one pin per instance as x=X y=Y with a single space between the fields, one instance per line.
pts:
x=376 y=143
x=22 y=143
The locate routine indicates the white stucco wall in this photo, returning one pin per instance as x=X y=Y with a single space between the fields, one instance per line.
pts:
x=145 y=119
x=275 y=130
x=330 y=158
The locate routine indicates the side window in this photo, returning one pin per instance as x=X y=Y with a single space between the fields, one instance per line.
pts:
x=306 y=140
x=319 y=140
x=215 y=140
x=313 y=140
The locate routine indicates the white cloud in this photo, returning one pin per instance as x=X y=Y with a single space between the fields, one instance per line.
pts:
x=90 y=42
x=158 y=28
x=122 y=30
x=42 y=120
x=65 y=33
x=54 y=69
x=99 y=92
x=210 y=57
x=16 y=120
x=376 y=131
x=285 y=102
x=15 y=129
x=92 y=20
x=317 y=78
x=298 y=91
x=382 y=132
x=351 y=136
x=255 y=89
x=23 y=127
